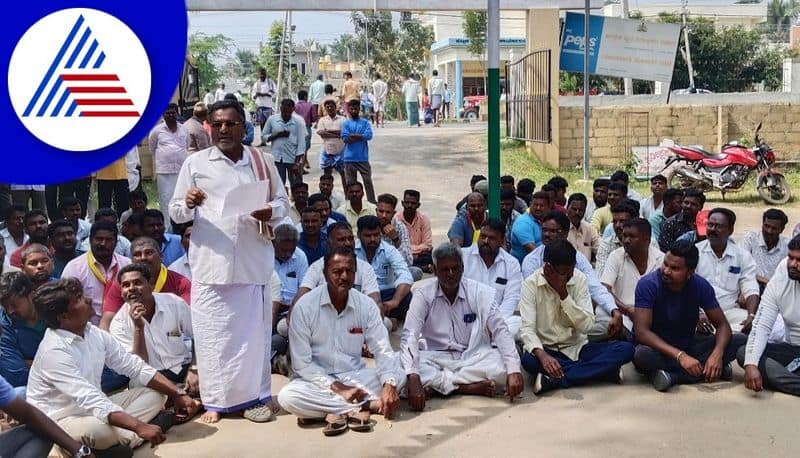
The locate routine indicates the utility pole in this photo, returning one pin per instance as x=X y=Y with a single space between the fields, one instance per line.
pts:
x=493 y=58
x=280 y=57
x=586 y=113
x=688 y=56
x=628 y=82
x=291 y=54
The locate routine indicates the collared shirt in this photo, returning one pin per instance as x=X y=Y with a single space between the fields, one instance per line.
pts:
x=656 y=220
x=59 y=264
x=766 y=259
x=606 y=247
x=18 y=343
x=535 y=260
x=448 y=94
x=286 y=149
x=357 y=151
x=83 y=231
x=337 y=200
x=306 y=111
x=447 y=326
x=420 y=234
x=175 y=284
x=350 y=90
x=367 y=209
x=181 y=266
x=316 y=91
x=435 y=86
x=122 y=248
x=405 y=241
x=171 y=248
x=503 y=275
x=10 y=243
x=65 y=376
x=314 y=253
x=622 y=275
x=168 y=147
x=226 y=250
x=781 y=297
x=674 y=227
x=163 y=334
x=366 y=282
x=463 y=228
x=291 y=273
x=601 y=218
x=93 y=288
x=331 y=146
x=380 y=89
x=730 y=275
x=326 y=343
x=552 y=323
x=390 y=268
x=294 y=215
x=525 y=231
x=648 y=209
x=634 y=195
x=591 y=207
x=198 y=137
x=265 y=87
x=411 y=90
x=584 y=238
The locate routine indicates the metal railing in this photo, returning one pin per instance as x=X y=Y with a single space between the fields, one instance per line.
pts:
x=528 y=94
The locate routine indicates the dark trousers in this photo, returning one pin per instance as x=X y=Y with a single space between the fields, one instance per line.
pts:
x=351 y=171
x=423 y=259
x=78 y=189
x=111 y=381
x=647 y=360
x=21 y=442
x=36 y=199
x=597 y=361
x=285 y=172
x=773 y=367
x=401 y=310
x=178 y=378
x=113 y=193
x=5 y=199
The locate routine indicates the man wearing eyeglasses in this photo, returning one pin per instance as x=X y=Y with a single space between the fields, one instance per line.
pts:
x=231 y=261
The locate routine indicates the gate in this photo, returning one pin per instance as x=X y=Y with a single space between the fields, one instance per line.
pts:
x=528 y=98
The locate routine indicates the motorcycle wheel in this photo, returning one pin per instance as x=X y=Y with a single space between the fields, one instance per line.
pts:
x=773 y=189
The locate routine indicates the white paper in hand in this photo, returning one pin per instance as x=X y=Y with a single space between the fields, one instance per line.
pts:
x=245 y=199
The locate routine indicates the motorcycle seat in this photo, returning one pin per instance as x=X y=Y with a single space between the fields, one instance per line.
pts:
x=708 y=154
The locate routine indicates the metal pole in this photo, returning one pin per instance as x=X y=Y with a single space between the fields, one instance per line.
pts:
x=493 y=57
x=291 y=55
x=688 y=55
x=586 y=90
x=280 y=58
x=627 y=82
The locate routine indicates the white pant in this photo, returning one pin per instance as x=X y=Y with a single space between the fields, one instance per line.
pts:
x=141 y=403
x=165 y=182
x=444 y=371
x=308 y=400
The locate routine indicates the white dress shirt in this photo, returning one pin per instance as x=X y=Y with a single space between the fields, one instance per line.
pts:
x=226 y=250
x=163 y=334
x=168 y=147
x=181 y=266
x=366 y=282
x=730 y=275
x=766 y=259
x=504 y=276
x=326 y=343
x=84 y=229
x=10 y=243
x=622 y=275
x=65 y=377
x=265 y=87
x=648 y=209
x=781 y=299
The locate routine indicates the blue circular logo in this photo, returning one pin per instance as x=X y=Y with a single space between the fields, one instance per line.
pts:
x=86 y=84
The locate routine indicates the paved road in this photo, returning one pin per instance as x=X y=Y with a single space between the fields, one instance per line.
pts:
x=605 y=420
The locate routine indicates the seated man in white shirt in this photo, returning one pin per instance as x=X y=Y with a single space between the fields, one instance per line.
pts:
x=626 y=265
x=329 y=327
x=181 y=265
x=64 y=381
x=777 y=363
x=154 y=326
x=767 y=246
x=730 y=270
x=468 y=349
x=488 y=263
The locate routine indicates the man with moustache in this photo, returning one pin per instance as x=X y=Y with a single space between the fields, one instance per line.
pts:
x=22 y=329
x=62 y=238
x=169 y=143
x=37 y=264
x=465 y=230
x=35 y=222
x=526 y=235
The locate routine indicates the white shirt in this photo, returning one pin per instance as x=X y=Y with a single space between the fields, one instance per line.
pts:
x=219 y=95
x=169 y=148
x=504 y=276
x=209 y=99
x=163 y=335
x=181 y=265
x=337 y=199
x=647 y=209
x=735 y=272
x=411 y=90
x=781 y=297
x=265 y=87
x=326 y=343
x=622 y=275
x=11 y=245
x=226 y=250
x=766 y=260
x=379 y=90
x=435 y=86
x=65 y=377
x=366 y=282
x=84 y=229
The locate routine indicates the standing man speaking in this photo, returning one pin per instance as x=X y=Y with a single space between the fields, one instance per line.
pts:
x=231 y=259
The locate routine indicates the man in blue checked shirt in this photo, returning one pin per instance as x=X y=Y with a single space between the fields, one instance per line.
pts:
x=356 y=132
x=286 y=132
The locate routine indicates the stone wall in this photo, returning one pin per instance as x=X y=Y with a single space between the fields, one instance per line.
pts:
x=710 y=121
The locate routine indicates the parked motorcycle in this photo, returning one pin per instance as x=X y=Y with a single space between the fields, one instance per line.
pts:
x=728 y=170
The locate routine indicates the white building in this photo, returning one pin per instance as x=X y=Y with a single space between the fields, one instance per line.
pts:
x=748 y=15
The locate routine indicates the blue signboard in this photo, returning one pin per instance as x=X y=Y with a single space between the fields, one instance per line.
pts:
x=572 y=39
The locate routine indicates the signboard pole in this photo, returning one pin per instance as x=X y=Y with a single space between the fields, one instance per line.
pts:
x=493 y=58
x=586 y=42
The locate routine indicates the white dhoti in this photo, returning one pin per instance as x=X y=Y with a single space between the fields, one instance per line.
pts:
x=308 y=400
x=232 y=332
x=165 y=184
x=444 y=371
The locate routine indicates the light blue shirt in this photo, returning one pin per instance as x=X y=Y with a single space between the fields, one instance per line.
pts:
x=171 y=249
x=448 y=95
x=316 y=91
x=534 y=261
x=291 y=274
x=286 y=149
x=524 y=231
x=7 y=393
x=390 y=267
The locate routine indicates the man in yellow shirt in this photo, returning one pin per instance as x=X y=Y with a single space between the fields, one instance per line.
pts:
x=112 y=185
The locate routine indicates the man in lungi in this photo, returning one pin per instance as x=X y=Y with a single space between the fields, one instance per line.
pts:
x=436 y=92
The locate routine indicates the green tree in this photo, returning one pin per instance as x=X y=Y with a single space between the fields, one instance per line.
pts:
x=345 y=48
x=246 y=62
x=780 y=14
x=205 y=50
x=474 y=28
x=270 y=59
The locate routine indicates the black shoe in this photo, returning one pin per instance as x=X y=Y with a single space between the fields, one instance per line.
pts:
x=727 y=373
x=662 y=381
x=165 y=420
x=544 y=383
x=117 y=451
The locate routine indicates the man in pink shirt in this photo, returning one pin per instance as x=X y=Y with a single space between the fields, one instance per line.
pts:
x=419 y=229
x=306 y=110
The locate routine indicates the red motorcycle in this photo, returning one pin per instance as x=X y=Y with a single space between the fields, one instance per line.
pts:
x=728 y=170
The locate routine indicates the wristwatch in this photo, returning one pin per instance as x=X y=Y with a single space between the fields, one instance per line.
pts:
x=82 y=452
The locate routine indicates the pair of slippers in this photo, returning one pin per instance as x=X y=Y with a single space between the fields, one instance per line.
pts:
x=338 y=424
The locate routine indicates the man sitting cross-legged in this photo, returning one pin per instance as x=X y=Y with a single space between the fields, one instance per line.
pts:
x=64 y=381
x=327 y=332
x=556 y=317
x=153 y=326
x=668 y=304
x=468 y=348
